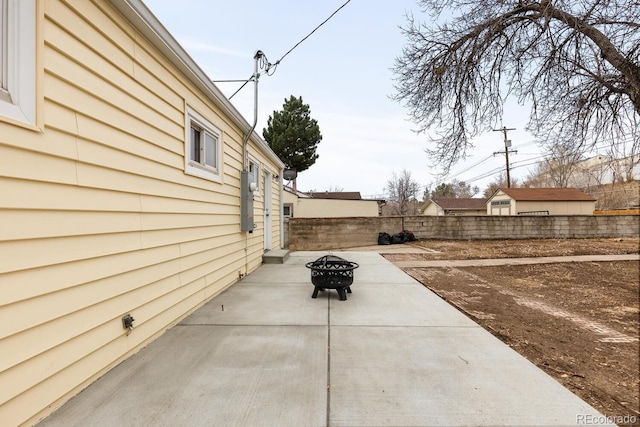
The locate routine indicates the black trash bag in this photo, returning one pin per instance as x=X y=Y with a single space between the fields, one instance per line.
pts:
x=384 y=238
x=397 y=238
x=409 y=236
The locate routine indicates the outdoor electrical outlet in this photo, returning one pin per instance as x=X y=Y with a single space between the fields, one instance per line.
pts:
x=127 y=322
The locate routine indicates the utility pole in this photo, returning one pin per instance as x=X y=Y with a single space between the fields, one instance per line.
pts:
x=507 y=144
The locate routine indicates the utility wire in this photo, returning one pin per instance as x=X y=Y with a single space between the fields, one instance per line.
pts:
x=314 y=30
x=240 y=88
x=270 y=68
x=530 y=161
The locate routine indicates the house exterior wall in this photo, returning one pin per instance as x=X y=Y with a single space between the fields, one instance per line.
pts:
x=290 y=200
x=329 y=208
x=433 y=210
x=501 y=204
x=97 y=216
x=558 y=208
x=468 y=212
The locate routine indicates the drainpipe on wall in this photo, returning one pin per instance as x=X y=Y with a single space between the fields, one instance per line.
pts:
x=245 y=148
x=245 y=143
x=281 y=179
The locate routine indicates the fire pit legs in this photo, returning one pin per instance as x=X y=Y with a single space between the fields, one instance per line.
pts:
x=341 y=292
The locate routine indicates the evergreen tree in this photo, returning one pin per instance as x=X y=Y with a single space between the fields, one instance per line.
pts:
x=293 y=135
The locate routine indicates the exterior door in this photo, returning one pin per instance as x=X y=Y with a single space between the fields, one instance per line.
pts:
x=267 y=211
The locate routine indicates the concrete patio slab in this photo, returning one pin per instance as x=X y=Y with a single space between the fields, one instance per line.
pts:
x=392 y=354
x=384 y=275
x=275 y=274
x=249 y=303
x=412 y=306
x=212 y=375
x=363 y=258
x=373 y=268
x=399 y=376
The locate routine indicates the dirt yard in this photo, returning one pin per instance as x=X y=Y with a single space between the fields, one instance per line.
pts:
x=579 y=322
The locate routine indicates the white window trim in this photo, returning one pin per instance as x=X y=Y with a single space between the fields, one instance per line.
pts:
x=192 y=167
x=18 y=101
x=255 y=178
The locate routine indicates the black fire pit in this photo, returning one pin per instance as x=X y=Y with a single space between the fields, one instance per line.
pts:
x=332 y=272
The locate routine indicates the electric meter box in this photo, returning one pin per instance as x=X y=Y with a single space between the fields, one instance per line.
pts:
x=246 y=203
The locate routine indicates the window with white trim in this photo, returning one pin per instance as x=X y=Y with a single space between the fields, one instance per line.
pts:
x=4 y=49
x=254 y=175
x=203 y=147
x=18 y=60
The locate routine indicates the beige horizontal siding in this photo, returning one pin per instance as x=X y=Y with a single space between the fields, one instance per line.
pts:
x=68 y=380
x=15 y=194
x=36 y=166
x=52 y=278
x=96 y=66
x=98 y=218
x=29 y=224
x=66 y=306
x=114 y=44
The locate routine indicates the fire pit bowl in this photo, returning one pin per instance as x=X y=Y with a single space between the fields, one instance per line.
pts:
x=332 y=272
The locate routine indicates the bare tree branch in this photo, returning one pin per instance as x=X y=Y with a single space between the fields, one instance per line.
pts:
x=575 y=62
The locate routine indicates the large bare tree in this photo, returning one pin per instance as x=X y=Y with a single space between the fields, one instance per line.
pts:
x=576 y=62
x=562 y=163
x=402 y=191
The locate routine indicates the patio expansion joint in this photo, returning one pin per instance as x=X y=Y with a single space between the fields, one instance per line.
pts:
x=412 y=326
x=328 y=421
x=249 y=325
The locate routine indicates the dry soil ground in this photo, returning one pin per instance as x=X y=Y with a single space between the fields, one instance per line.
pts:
x=579 y=322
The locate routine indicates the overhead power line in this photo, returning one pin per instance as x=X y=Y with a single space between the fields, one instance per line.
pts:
x=270 y=68
x=314 y=30
x=467 y=168
x=602 y=145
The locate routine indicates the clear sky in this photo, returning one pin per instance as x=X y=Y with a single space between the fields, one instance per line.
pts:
x=343 y=72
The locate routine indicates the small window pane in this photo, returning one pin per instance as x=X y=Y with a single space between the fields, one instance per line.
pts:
x=254 y=170
x=195 y=145
x=203 y=148
x=4 y=40
x=210 y=153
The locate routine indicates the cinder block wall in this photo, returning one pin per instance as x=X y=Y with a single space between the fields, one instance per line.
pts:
x=336 y=233
x=308 y=234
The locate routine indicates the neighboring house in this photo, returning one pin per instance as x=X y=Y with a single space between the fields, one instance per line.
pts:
x=120 y=193
x=337 y=195
x=455 y=206
x=540 y=201
x=327 y=204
